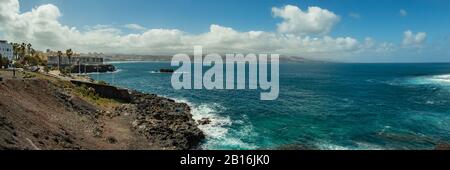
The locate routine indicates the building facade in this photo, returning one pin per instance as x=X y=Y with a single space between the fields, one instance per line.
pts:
x=64 y=61
x=6 y=49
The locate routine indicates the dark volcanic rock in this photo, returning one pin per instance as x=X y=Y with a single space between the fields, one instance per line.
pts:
x=164 y=122
x=204 y=121
x=166 y=70
x=92 y=68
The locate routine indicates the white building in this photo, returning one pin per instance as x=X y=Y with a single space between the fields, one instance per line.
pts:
x=64 y=61
x=6 y=49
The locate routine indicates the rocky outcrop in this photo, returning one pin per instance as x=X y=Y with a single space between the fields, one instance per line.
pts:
x=163 y=121
x=106 y=91
x=204 y=121
x=92 y=68
x=166 y=70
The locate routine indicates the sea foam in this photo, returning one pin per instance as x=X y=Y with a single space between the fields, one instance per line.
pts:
x=217 y=132
x=443 y=80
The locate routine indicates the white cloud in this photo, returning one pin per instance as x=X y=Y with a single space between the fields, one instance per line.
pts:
x=403 y=13
x=354 y=15
x=371 y=47
x=414 y=40
x=136 y=27
x=313 y=21
x=386 y=48
x=41 y=27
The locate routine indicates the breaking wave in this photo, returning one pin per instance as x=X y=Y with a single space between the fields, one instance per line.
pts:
x=218 y=134
x=443 y=80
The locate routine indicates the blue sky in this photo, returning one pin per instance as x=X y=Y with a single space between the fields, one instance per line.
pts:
x=378 y=18
x=359 y=19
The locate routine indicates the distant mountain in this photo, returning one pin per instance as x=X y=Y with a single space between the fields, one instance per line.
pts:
x=296 y=59
x=133 y=57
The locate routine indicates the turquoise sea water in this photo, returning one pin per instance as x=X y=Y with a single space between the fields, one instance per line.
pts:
x=324 y=106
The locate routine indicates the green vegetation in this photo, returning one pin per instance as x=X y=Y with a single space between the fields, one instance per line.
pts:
x=33 y=61
x=4 y=62
x=69 y=54
x=102 y=82
x=59 y=60
x=28 y=75
x=66 y=71
x=46 y=69
x=89 y=94
x=18 y=65
x=25 y=55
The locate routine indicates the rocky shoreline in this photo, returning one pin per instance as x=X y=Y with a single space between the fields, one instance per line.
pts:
x=163 y=121
x=53 y=114
x=92 y=68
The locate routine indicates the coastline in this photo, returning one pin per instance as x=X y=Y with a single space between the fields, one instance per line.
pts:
x=144 y=132
x=63 y=115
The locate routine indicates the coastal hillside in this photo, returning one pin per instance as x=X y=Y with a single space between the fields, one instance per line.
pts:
x=42 y=112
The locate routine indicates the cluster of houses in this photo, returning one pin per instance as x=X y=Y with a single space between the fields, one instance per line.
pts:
x=80 y=64
x=74 y=63
x=64 y=61
x=53 y=60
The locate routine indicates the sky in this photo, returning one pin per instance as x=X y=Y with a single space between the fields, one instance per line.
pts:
x=338 y=30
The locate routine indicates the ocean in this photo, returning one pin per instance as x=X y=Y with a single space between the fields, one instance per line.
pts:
x=320 y=106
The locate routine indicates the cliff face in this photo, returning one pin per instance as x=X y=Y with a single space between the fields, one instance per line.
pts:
x=163 y=121
x=43 y=114
x=106 y=91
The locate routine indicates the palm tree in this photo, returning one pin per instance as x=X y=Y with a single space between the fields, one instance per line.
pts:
x=69 y=54
x=29 y=48
x=32 y=52
x=22 y=51
x=15 y=50
x=59 y=60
